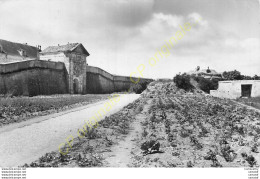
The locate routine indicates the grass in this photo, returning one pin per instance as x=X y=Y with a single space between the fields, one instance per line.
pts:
x=17 y=109
x=254 y=102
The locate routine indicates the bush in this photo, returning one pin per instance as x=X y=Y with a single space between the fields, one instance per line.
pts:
x=206 y=84
x=232 y=75
x=183 y=82
x=139 y=87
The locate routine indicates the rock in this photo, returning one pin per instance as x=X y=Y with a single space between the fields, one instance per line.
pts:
x=150 y=146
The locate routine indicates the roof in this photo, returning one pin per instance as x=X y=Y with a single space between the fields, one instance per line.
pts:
x=205 y=71
x=65 y=48
x=240 y=81
x=212 y=72
x=12 y=48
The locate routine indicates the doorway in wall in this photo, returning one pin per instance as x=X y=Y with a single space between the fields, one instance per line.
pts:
x=76 y=86
x=246 y=90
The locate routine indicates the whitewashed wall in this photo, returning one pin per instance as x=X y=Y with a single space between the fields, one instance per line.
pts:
x=232 y=89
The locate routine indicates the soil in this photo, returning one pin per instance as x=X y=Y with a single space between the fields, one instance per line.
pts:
x=169 y=127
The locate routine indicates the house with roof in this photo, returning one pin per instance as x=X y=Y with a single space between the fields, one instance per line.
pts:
x=206 y=73
x=11 y=52
x=74 y=56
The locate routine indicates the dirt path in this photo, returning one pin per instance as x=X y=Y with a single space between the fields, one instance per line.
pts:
x=27 y=143
x=121 y=154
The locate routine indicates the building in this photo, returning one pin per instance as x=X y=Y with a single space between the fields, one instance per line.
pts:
x=11 y=52
x=237 y=89
x=74 y=56
x=206 y=73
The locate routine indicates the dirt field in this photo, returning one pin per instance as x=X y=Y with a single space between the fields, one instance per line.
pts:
x=17 y=109
x=168 y=127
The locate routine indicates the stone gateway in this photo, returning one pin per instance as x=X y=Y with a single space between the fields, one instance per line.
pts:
x=74 y=56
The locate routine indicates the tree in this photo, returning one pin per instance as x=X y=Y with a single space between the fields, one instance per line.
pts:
x=232 y=75
x=206 y=84
x=244 y=77
x=183 y=82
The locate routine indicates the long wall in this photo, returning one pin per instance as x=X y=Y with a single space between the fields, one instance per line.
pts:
x=100 y=81
x=35 y=77
x=39 y=77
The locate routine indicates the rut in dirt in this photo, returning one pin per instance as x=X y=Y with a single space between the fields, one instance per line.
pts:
x=121 y=154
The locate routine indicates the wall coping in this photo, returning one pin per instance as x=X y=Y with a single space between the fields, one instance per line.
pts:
x=104 y=73
x=29 y=64
x=239 y=81
x=18 y=66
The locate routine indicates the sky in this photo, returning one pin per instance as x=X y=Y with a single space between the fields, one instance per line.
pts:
x=123 y=35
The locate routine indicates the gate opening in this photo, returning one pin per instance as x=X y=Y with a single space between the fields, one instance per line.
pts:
x=246 y=90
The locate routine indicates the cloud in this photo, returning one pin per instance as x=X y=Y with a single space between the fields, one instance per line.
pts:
x=129 y=13
x=125 y=33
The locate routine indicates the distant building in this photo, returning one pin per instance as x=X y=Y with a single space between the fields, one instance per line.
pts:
x=15 y=52
x=74 y=56
x=206 y=73
x=237 y=89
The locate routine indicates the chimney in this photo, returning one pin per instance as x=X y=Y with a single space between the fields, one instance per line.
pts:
x=208 y=70
x=198 y=68
x=39 y=48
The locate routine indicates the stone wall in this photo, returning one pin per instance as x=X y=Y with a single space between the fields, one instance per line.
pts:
x=40 y=77
x=100 y=81
x=32 y=78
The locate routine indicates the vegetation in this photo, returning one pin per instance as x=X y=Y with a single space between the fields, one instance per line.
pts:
x=89 y=149
x=232 y=75
x=183 y=82
x=254 y=102
x=199 y=129
x=236 y=75
x=139 y=87
x=206 y=84
x=187 y=129
x=21 y=108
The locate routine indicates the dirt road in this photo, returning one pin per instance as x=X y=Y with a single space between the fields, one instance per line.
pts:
x=26 y=142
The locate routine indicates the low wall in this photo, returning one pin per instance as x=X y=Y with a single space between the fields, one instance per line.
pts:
x=35 y=77
x=233 y=89
x=100 y=81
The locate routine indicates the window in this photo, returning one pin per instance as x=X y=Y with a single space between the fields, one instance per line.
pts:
x=22 y=53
